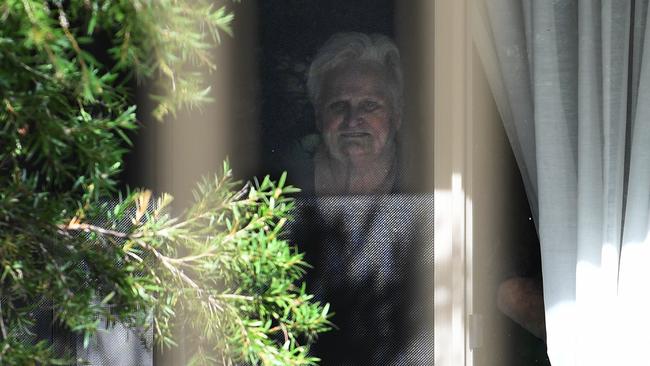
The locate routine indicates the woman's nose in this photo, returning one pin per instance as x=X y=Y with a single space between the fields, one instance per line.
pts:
x=355 y=116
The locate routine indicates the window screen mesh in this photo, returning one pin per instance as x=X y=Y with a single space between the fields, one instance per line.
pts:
x=372 y=259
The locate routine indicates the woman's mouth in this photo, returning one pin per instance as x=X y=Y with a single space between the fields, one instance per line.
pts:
x=354 y=134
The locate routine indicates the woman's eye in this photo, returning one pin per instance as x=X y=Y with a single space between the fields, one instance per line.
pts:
x=337 y=106
x=370 y=105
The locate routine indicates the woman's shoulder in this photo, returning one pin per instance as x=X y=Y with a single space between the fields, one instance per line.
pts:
x=298 y=162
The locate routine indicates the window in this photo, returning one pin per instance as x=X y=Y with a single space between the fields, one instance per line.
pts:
x=451 y=142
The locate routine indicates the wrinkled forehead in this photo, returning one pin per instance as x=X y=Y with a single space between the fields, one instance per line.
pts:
x=357 y=78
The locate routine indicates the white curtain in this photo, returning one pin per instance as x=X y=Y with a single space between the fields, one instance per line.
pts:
x=572 y=82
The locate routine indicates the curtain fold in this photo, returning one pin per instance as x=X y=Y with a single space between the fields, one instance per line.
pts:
x=516 y=74
x=576 y=79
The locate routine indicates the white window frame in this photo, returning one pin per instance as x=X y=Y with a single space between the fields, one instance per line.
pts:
x=453 y=276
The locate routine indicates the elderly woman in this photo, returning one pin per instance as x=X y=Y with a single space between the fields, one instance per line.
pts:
x=356 y=87
x=355 y=84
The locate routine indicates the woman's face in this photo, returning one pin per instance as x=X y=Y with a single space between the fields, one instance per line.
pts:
x=355 y=114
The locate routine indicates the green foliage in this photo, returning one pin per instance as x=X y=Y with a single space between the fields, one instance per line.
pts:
x=221 y=270
x=223 y=264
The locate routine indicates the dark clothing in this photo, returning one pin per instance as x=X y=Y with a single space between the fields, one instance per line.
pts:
x=369 y=253
x=299 y=164
x=372 y=260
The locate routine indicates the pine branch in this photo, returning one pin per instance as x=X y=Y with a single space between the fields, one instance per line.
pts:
x=65 y=124
x=3 y=329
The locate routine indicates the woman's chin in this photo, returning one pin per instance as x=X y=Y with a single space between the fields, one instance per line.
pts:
x=358 y=156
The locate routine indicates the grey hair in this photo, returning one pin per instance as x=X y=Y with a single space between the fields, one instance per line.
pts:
x=354 y=46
